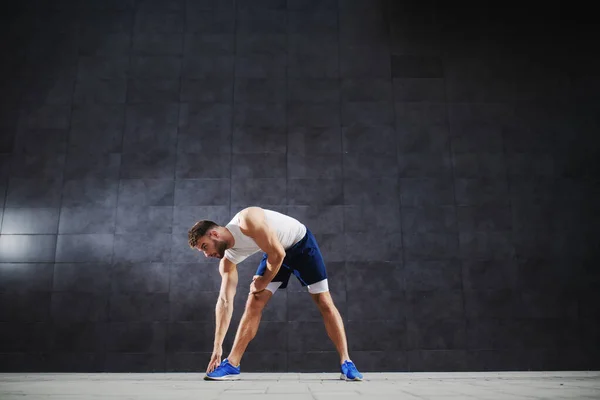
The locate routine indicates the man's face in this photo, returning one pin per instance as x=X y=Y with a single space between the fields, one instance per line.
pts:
x=212 y=247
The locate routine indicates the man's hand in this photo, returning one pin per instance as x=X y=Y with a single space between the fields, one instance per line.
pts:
x=215 y=360
x=258 y=284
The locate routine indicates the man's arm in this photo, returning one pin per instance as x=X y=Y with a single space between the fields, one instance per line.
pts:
x=255 y=225
x=224 y=307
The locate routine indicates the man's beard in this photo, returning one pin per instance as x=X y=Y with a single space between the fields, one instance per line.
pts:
x=220 y=247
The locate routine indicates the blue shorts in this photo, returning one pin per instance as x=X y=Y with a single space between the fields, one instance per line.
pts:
x=304 y=260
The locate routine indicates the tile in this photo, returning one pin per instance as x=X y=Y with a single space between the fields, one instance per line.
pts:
x=261 y=66
x=139 y=307
x=159 y=21
x=365 y=61
x=312 y=21
x=314 y=192
x=82 y=277
x=73 y=307
x=371 y=191
x=146 y=192
x=218 y=166
x=78 y=338
x=489 y=274
x=256 y=166
x=149 y=247
x=422 y=127
x=92 y=165
x=192 y=305
x=419 y=90
x=189 y=336
x=35 y=193
x=263 y=190
x=256 y=90
x=429 y=218
x=252 y=20
x=481 y=192
x=484 y=218
x=317 y=166
x=156 y=67
x=106 y=91
x=385 y=216
x=150 y=127
x=313 y=115
x=136 y=337
x=157 y=44
x=423 y=275
x=90 y=192
x=208 y=44
x=306 y=336
x=152 y=91
x=102 y=67
x=203 y=192
x=366 y=90
x=207 y=90
x=379 y=165
x=367 y=113
x=424 y=305
x=39 y=166
x=38 y=141
x=319 y=219
x=18 y=337
x=250 y=139
x=430 y=245
x=27 y=248
x=153 y=164
x=30 y=221
x=311 y=90
x=215 y=21
x=84 y=248
x=486 y=244
x=132 y=219
x=436 y=334
x=191 y=278
x=215 y=118
x=87 y=219
x=142 y=277
x=377 y=335
x=415 y=165
x=359 y=138
x=479 y=165
x=26 y=277
x=219 y=67
x=361 y=248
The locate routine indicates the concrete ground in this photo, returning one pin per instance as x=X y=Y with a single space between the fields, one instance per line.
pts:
x=295 y=386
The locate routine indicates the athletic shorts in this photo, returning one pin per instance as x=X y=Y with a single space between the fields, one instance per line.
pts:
x=305 y=261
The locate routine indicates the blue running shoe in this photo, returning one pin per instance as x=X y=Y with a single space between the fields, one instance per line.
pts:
x=349 y=372
x=224 y=372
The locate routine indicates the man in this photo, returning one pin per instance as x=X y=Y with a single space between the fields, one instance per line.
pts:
x=289 y=248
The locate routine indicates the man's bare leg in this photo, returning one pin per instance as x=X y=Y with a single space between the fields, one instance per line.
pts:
x=333 y=323
x=248 y=325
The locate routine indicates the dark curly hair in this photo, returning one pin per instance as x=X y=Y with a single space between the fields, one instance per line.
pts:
x=198 y=230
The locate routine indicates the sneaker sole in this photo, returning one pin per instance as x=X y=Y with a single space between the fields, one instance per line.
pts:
x=222 y=378
x=345 y=378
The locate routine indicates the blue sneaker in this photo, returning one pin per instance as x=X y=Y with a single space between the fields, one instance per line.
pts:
x=224 y=372
x=349 y=372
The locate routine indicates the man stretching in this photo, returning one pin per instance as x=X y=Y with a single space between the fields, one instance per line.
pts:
x=289 y=248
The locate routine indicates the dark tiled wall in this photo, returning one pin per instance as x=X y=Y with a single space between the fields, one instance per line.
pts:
x=445 y=156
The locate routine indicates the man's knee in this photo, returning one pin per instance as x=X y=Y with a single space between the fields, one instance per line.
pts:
x=324 y=302
x=257 y=302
